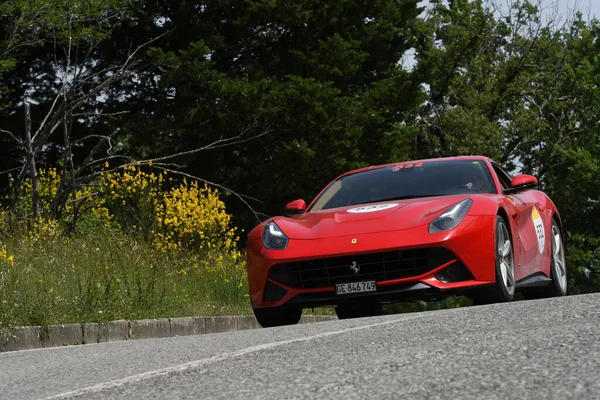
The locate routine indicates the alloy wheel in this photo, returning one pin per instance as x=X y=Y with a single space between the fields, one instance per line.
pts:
x=558 y=259
x=506 y=258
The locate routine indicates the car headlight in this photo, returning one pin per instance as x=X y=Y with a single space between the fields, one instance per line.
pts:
x=451 y=217
x=273 y=237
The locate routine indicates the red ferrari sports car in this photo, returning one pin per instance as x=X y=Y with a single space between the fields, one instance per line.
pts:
x=415 y=230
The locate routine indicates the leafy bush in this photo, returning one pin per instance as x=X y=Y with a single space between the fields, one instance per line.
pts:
x=583 y=263
x=142 y=246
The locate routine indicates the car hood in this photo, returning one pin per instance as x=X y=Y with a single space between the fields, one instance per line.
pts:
x=367 y=218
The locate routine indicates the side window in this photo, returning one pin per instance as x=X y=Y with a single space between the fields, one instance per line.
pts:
x=503 y=176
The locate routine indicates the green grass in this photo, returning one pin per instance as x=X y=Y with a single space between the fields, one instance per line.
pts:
x=107 y=276
x=103 y=276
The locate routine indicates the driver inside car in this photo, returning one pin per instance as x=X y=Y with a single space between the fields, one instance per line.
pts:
x=475 y=182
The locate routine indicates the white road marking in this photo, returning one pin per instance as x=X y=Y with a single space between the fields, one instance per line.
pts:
x=221 y=357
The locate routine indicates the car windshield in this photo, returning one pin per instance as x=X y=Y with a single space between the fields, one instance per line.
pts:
x=407 y=180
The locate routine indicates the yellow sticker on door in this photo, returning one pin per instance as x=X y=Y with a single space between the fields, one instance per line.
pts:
x=539 y=228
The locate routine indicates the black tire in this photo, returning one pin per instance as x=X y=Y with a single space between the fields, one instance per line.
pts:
x=358 y=309
x=558 y=268
x=504 y=288
x=277 y=316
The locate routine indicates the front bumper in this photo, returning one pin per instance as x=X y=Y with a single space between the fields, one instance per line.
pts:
x=305 y=273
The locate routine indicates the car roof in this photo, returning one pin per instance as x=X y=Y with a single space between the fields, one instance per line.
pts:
x=468 y=158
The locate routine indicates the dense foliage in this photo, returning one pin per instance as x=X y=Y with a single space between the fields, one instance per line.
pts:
x=272 y=99
x=144 y=247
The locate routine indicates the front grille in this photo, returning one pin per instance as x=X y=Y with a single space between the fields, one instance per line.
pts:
x=374 y=266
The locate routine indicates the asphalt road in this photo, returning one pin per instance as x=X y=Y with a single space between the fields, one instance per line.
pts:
x=528 y=349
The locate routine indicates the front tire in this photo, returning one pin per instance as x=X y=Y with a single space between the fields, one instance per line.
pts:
x=504 y=288
x=277 y=316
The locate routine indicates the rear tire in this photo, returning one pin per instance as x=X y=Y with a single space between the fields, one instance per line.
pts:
x=558 y=269
x=277 y=316
x=504 y=288
x=358 y=309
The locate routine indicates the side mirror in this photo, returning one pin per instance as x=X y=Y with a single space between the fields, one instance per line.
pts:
x=295 y=207
x=523 y=181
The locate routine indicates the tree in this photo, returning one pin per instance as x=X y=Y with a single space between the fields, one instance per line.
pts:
x=74 y=85
x=71 y=81
x=481 y=73
x=323 y=76
x=506 y=84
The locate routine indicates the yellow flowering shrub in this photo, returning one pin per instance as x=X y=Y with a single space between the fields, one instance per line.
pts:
x=130 y=197
x=45 y=228
x=185 y=217
x=170 y=216
x=6 y=258
x=48 y=184
x=3 y=222
x=91 y=203
x=193 y=217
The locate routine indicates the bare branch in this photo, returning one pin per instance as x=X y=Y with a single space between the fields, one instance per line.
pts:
x=109 y=158
x=165 y=167
x=239 y=196
x=89 y=137
x=16 y=139
x=9 y=170
x=54 y=115
x=91 y=76
x=90 y=157
x=99 y=114
x=82 y=198
x=231 y=141
x=48 y=114
x=143 y=45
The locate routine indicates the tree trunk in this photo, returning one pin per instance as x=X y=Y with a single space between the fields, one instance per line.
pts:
x=67 y=181
x=30 y=155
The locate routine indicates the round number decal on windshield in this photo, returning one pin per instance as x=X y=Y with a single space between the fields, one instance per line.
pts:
x=373 y=208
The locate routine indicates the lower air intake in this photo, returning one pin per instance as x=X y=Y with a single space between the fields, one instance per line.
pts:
x=273 y=292
x=380 y=266
x=457 y=272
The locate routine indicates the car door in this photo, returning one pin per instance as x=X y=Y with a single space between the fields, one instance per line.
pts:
x=534 y=231
x=523 y=222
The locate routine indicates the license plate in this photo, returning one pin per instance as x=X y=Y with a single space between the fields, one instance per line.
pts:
x=355 y=287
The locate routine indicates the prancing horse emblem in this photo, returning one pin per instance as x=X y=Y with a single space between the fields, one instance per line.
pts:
x=354 y=267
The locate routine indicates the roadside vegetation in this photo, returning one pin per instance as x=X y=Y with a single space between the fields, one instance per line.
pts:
x=134 y=245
